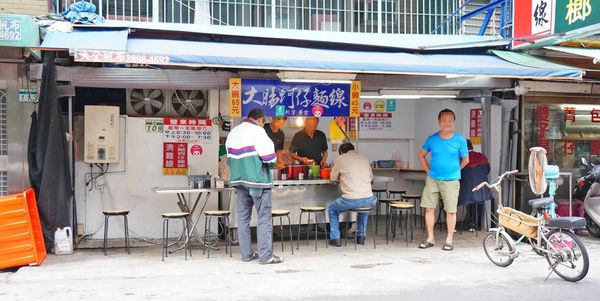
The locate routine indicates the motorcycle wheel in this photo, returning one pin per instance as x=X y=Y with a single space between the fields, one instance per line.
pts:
x=592 y=227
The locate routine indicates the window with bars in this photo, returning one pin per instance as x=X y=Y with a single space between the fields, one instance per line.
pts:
x=369 y=16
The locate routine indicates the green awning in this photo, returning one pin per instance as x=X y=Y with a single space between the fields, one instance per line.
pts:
x=19 y=31
x=529 y=60
x=587 y=52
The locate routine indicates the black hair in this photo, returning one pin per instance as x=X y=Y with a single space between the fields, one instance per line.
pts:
x=256 y=114
x=469 y=144
x=346 y=147
x=446 y=111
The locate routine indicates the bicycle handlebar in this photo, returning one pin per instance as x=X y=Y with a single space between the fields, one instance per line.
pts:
x=497 y=182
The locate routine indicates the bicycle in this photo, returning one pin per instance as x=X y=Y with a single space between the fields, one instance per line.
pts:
x=550 y=237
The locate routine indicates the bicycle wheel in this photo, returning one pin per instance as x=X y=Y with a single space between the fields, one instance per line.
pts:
x=498 y=250
x=570 y=261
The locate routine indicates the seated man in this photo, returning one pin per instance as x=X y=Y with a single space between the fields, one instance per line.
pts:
x=353 y=170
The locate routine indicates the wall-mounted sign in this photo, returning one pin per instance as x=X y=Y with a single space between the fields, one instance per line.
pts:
x=375 y=121
x=475 y=126
x=391 y=105
x=175 y=158
x=119 y=57
x=10 y=29
x=355 y=89
x=154 y=126
x=189 y=130
x=196 y=150
x=28 y=95
x=293 y=99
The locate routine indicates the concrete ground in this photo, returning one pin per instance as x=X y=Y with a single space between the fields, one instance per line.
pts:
x=391 y=272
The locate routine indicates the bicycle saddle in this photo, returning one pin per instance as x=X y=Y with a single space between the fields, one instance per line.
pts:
x=541 y=203
x=566 y=222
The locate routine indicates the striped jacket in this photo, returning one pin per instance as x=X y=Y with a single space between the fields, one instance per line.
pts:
x=250 y=151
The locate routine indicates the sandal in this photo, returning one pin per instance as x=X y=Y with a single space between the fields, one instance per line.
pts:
x=448 y=247
x=275 y=259
x=425 y=245
x=254 y=256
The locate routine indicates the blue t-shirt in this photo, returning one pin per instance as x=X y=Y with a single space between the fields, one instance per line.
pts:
x=445 y=156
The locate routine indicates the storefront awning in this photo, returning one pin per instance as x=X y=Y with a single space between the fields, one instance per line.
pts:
x=212 y=54
x=529 y=60
x=114 y=39
x=94 y=46
x=586 y=52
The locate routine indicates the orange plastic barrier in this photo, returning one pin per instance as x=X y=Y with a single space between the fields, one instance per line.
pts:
x=21 y=239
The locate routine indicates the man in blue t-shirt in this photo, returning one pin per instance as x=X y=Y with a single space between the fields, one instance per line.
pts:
x=449 y=155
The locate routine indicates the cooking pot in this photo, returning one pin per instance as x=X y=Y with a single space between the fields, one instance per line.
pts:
x=325 y=173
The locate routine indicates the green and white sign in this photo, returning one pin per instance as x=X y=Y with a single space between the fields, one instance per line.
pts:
x=575 y=14
x=28 y=95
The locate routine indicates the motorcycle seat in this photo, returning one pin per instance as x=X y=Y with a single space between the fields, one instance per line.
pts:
x=541 y=203
x=566 y=222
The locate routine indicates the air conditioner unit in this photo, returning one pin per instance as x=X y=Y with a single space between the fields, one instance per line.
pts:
x=188 y=103
x=101 y=134
x=148 y=103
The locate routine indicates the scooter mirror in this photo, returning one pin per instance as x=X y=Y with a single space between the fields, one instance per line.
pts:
x=584 y=161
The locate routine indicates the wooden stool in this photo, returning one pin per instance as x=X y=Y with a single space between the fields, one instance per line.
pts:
x=387 y=202
x=401 y=208
x=219 y=215
x=379 y=194
x=183 y=217
x=107 y=215
x=315 y=211
x=416 y=200
x=281 y=214
x=366 y=210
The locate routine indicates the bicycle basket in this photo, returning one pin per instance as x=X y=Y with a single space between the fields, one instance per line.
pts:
x=518 y=221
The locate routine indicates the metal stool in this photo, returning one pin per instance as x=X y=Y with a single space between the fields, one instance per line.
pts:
x=183 y=217
x=219 y=215
x=363 y=210
x=379 y=194
x=396 y=193
x=107 y=215
x=467 y=215
x=315 y=211
x=387 y=202
x=401 y=208
x=281 y=214
x=415 y=199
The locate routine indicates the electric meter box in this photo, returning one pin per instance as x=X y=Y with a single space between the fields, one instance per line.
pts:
x=101 y=134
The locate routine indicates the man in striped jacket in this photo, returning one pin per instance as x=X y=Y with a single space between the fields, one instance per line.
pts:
x=251 y=153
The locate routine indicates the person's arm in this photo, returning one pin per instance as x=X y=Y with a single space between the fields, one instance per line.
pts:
x=324 y=160
x=464 y=161
x=302 y=160
x=335 y=171
x=464 y=153
x=293 y=149
x=265 y=148
x=423 y=160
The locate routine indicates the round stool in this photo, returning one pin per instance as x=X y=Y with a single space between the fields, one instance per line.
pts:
x=281 y=214
x=387 y=202
x=183 y=217
x=401 y=208
x=107 y=215
x=361 y=210
x=315 y=211
x=379 y=194
x=219 y=215
x=416 y=200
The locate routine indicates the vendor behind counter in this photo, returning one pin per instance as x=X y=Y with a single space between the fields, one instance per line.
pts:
x=309 y=146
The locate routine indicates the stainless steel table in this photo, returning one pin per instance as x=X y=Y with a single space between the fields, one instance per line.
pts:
x=183 y=195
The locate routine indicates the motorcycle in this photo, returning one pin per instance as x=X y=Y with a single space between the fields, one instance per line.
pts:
x=588 y=189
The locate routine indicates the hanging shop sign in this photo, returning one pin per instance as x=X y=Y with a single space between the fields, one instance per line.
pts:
x=175 y=158
x=545 y=20
x=475 y=126
x=188 y=130
x=277 y=98
x=376 y=121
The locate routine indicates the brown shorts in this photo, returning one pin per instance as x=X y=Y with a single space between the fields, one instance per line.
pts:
x=446 y=190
